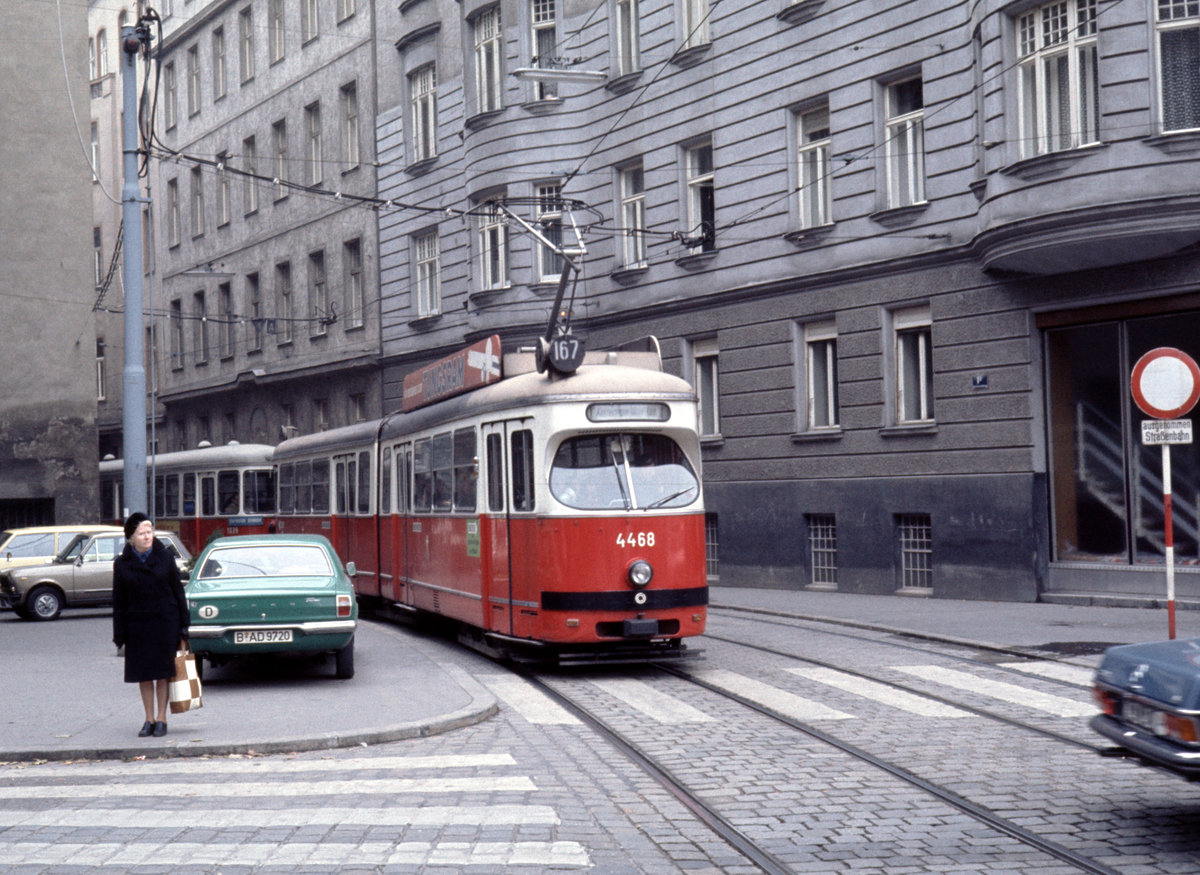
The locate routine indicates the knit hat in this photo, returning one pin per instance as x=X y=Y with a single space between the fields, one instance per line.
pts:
x=135 y=519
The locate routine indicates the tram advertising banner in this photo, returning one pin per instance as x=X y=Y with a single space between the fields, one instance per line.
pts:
x=467 y=369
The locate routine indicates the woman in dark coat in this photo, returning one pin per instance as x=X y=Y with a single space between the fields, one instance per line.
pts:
x=150 y=615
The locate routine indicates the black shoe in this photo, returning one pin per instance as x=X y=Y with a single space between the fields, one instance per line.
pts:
x=147 y=729
x=160 y=729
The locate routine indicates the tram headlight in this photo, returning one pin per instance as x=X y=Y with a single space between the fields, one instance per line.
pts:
x=640 y=573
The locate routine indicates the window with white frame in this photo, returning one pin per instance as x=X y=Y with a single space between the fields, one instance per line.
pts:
x=308 y=20
x=701 y=204
x=101 y=395
x=249 y=183
x=352 y=267
x=173 y=212
x=200 y=327
x=318 y=292
x=218 y=68
x=489 y=53
x=351 y=155
x=821 y=375
x=224 y=197
x=904 y=143
x=812 y=129
x=427 y=293
x=345 y=8
x=633 y=216
x=422 y=85
x=176 y=319
x=95 y=141
x=549 y=222
x=101 y=54
x=912 y=330
x=197 y=202
x=170 y=96
x=254 y=302
x=97 y=256
x=280 y=144
x=704 y=380
x=284 y=304
x=193 y=80
x=225 y=319
x=316 y=160
x=628 y=37
x=246 y=43
x=1178 y=23
x=544 y=41
x=695 y=23
x=1057 y=70
x=492 y=236
x=275 y=30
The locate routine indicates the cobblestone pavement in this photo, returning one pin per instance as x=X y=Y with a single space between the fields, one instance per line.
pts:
x=533 y=789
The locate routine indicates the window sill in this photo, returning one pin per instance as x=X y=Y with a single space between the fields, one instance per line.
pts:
x=913 y=429
x=817 y=435
x=805 y=237
x=417 y=168
x=800 y=11
x=712 y=440
x=691 y=56
x=542 y=106
x=696 y=260
x=624 y=83
x=424 y=323
x=1176 y=142
x=627 y=276
x=897 y=217
x=1050 y=163
x=482 y=119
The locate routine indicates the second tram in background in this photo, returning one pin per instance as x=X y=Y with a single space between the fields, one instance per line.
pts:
x=549 y=516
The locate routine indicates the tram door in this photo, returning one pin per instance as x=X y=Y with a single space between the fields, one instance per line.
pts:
x=508 y=450
x=394 y=507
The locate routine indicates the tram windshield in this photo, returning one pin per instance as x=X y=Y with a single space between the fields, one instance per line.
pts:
x=628 y=471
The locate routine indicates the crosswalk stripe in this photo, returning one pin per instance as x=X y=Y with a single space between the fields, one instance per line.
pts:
x=254 y=818
x=356 y=787
x=654 y=704
x=878 y=692
x=526 y=700
x=781 y=701
x=1071 y=674
x=1005 y=692
x=328 y=853
x=212 y=766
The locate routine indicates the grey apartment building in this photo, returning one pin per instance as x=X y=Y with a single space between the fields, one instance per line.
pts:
x=265 y=298
x=906 y=252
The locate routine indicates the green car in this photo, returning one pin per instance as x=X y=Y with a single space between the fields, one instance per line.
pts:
x=252 y=594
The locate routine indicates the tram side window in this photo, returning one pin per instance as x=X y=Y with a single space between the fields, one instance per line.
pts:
x=287 y=488
x=443 y=472
x=320 y=486
x=465 y=476
x=189 y=495
x=364 y=482
x=208 y=497
x=339 y=485
x=403 y=472
x=172 y=495
x=304 y=487
x=258 y=487
x=522 y=470
x=228 y=492
x=423 y=476
x=385 y=483
x=110 y=500
x=495 y=472
x=160 y=499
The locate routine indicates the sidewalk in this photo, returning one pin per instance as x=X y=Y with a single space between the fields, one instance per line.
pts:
x=62 y=696
x=1065 y=630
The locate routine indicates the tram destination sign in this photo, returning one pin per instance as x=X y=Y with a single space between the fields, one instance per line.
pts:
x=1156 y=432
x=469 y=368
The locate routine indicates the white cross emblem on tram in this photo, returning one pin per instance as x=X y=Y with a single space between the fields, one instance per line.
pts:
x=485 y=360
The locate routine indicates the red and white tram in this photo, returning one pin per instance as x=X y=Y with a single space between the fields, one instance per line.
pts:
x=549 y=516
x=221 y=490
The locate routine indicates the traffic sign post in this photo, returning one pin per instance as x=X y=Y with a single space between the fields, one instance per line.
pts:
x=1166 y=385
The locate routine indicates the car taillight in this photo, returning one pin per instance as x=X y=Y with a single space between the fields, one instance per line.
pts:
x=343 y=605
x=1106 y=700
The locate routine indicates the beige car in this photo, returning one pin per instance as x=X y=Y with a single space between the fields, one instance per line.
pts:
x=81 y=575
x=38 y=545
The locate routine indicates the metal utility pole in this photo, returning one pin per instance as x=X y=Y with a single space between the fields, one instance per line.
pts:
x=133 y=414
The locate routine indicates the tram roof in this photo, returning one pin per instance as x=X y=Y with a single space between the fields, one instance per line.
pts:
x=592 y=382
x=220 y=456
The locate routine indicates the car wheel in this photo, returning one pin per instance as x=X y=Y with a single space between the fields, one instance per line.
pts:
x=345 y=661
x=45 y=603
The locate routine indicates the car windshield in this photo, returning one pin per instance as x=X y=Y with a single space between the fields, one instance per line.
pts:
x=289 y=560
x=30 y=545
x=622 y=471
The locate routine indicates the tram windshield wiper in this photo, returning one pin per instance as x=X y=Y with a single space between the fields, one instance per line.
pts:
x=620 y=478
x=671 y=497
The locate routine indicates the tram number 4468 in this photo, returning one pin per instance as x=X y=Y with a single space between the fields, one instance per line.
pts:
x=639 y=539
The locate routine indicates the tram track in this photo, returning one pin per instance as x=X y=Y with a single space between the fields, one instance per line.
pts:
x=739 y=839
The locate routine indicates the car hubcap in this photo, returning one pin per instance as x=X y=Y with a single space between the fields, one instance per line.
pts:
x=46 y=605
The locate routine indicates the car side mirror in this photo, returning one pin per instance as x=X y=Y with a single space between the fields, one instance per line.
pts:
x=351 y=569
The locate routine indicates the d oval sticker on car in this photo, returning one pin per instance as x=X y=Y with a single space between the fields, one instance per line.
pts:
x=208 y=612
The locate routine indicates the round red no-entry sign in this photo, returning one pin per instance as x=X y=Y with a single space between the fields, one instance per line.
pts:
x=1166 y=383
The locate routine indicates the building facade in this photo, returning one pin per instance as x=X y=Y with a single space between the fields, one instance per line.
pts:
x=907 y=255
x=265 y=299
x=47 y=334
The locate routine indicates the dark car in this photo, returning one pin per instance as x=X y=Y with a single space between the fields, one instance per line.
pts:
x=253 y=594
x=1150 y=698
